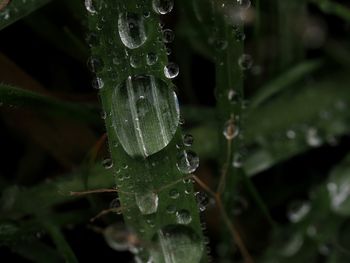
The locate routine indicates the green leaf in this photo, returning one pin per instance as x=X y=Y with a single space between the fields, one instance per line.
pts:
x=13 y=96
x=17 y=9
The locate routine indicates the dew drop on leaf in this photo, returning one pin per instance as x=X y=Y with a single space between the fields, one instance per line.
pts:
x=162 y=7
x=188 y=139
x=245 y=62
x=97 y=83
x=177 y=244
x=90 y=7
x=132 y=30
x=147 y=202
x=171 y=70
x=151 y=58
x=107 y=163
x=174 y=193
x=141 y=107
x=183 y=216
x=187 y=162
x=117 y=237
x=168 y=36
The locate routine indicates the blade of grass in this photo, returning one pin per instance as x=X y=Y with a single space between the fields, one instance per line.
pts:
x=61 y=243
x=14 y=96
x=17 y=9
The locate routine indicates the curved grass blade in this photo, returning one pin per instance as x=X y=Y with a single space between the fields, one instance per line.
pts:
x=17 y=9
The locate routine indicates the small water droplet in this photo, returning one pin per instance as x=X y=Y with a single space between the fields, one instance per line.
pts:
x=231 y=131
x=291 y=134
x=245 y=62
x=188 y=140
x=171 y=209
x=245 y=4
x=147 y=202
x=162 y=7
x=118 y=237
x=202 y=201
x=132 y=30
x=187 y=162
x=107 y=163
x=90 y=7
x=115 y=203
x=298 y=210
x=174 y=193
x=183 y=216
x=237 y=160
x=313 y=138
x=92 y=39
x=151 y=58
x=168 y=36
x=97 y=83
x=94 y=64
x=171 y=70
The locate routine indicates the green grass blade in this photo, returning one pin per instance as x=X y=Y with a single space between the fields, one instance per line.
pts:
x=61 y=243
x=17 y=9
x=283 y=81
x=14 y=96
x=125 y=37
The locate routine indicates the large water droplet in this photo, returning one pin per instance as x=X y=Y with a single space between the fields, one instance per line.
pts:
x=177 y=244
x=131 y=29
x=143 y=106
x=162 y=6
x=147 y=202
x=187 y=162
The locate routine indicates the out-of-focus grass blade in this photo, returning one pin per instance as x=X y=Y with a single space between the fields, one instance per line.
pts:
x=17 y=9
x=13 y=96
x=48 y=194
x=61 y=243
x=283 y=81
x=333 y=8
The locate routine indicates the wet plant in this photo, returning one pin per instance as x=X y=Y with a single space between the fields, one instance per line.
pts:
x=174 y=131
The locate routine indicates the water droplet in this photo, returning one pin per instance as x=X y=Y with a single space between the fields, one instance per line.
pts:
x=151 y=58
x=107 y=163
x=132 y=30
x=298 y=210
x=183 y=216
x=171 y=70
x=147 y=202
x=237 y=160
x=162 y=6
x=171 y=209
x=291 y=134
x=92 y=39
x=90 y=7
x=94 y=64
x=97 y=83
x=143 y=106
x=188 y=140
x=117 y=237
x=177 y=244
x=135 y=61
x=245 y=4
x=313 y=138
x=115 y=203
x=245 y=62
x=168 y=36
x=231 y=131
x=174 y=193
x=187 y=162
x=339 y=192
x=202 y=201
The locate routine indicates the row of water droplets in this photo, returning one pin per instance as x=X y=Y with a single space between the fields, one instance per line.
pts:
x=133 y=35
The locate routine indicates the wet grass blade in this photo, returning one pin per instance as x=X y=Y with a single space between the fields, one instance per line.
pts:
x=130 y=61
x=17 y=9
